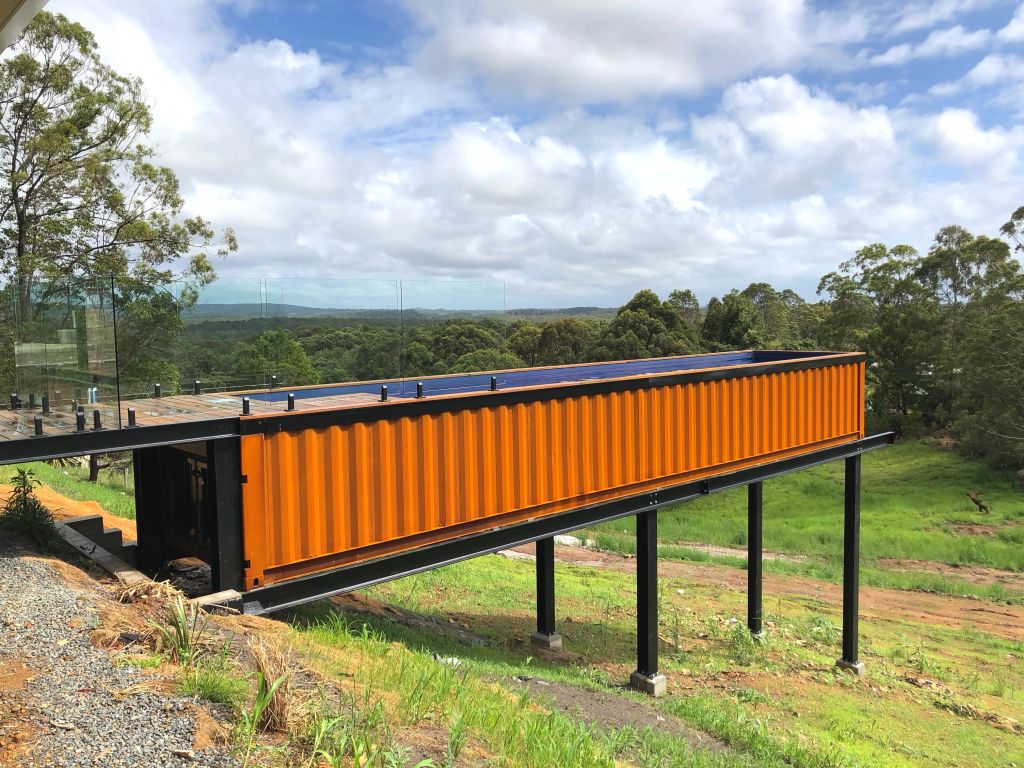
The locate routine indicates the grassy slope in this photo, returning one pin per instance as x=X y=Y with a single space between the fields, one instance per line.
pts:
x=914 y=507
x=776 y=703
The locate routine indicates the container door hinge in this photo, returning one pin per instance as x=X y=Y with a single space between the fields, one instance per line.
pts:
x=244 y=479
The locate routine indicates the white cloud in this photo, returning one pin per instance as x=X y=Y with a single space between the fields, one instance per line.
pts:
x=607 y=50
x=1013 y=32
x=928 y=13
x=1000 y=73
x=941 y=42
x=961 y=139
x=406 y=169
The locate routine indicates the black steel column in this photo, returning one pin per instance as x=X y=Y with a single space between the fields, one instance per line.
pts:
x=754 y=562
x=150 y=550
x=851 y=566
x=545 y=636
x=646 y=677
x=224 y=479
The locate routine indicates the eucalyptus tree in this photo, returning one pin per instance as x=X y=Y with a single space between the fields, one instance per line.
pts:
x=81 y=192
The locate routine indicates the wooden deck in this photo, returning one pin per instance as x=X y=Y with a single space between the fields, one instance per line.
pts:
x=153 y=411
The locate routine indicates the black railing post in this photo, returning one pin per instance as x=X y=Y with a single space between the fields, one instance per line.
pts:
x=851 y=567
x=545 y=636
x=754 y=562
x=646 y=678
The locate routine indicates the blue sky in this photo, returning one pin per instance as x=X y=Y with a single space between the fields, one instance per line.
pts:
x=578 y=150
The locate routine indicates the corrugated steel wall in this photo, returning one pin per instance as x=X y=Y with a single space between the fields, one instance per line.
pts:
x=319 y=498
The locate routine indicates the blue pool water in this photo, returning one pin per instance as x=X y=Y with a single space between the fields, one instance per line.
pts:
x=480 y=382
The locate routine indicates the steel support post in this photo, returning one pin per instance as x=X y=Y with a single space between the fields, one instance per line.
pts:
x=646 y=678
x=150 y=551
x=754 y=560
x=545 y=636
x=224 y=473
x=851 y=567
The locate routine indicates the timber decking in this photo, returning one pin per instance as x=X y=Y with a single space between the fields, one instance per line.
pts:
x=154 y=411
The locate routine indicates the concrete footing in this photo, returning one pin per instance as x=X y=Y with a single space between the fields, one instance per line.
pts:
x=854 y=667
x=552 y=642
x=655 y=685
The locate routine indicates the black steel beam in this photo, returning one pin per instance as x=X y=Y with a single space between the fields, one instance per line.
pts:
x=754 y=562
x=111 y=440
x=851 y=564
x=647 y=593
x=345 y=579
x=224 y=471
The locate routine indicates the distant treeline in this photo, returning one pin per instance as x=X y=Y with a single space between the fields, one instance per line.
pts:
x=944 y=333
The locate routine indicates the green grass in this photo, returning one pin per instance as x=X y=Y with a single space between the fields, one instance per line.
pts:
x=774 y=702
x=397 y=687
x=220 y=686
x=72 y=481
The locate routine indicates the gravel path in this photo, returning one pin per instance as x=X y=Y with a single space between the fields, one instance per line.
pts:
x=75 y=720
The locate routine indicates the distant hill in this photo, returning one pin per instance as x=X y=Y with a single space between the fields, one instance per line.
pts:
x=213 y=311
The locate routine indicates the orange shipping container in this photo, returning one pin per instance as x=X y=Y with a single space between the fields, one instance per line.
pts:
x=330 y=488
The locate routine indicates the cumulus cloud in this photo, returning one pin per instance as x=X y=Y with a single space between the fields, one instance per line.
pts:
x=605 y=50
x=331 y=169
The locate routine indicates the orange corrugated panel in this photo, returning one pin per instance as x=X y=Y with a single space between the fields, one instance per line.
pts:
x=323 y=497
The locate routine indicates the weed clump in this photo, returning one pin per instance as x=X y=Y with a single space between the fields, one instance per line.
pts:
x=24 y=514
x=182 y=638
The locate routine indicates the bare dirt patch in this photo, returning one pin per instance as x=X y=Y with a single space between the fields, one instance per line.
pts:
x=976 y=574
x=16 y=728
x=606 y=709
x=977 y=529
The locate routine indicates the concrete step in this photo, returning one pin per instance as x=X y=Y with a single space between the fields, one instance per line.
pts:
x=128 y=552
x=90 y=526
x=110 y=540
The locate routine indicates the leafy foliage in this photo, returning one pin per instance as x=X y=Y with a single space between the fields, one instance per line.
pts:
x=23 y=513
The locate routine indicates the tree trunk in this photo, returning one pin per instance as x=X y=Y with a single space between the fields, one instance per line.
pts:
x=94 y=468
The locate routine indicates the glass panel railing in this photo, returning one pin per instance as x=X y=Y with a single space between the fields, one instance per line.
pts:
x=451 y=326
x=98 y=346
x=64 y=355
